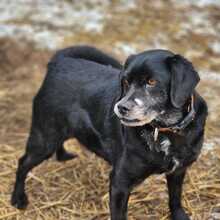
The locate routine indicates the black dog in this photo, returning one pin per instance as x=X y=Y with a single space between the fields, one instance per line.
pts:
x=157 y=127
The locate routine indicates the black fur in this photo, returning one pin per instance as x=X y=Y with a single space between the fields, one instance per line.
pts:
x=183 y=81
x=77 y=99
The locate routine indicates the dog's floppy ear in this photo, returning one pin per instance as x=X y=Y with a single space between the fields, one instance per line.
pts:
x=184 y=79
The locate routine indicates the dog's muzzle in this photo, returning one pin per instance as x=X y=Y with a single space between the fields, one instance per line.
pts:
x=130 y=116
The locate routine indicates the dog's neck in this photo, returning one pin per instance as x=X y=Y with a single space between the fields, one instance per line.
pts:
x=175 y=120
x=183 y=117
x=170 y=117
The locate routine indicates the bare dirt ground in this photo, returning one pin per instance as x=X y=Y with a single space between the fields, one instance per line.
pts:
x=78 y=189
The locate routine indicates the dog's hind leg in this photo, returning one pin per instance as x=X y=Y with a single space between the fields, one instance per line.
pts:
x=39 y=147
x=63 y=155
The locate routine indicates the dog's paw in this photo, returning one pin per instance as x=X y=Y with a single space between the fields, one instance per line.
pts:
x=19 y=201
x=66 y=156
x=179 y=214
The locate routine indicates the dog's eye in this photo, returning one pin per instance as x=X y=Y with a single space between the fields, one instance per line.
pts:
x=151 y=82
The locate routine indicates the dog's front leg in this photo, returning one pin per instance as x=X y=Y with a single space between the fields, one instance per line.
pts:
x=119 y=194
x=175 y=183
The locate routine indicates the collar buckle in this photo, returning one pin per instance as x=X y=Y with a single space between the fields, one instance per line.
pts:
x=156 y=133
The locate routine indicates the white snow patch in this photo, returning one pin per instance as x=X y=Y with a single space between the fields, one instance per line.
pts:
x=199 y=3
x=47 y=22
x=126 y=4
x=209 y=75
x=43 y=38
x=126 y=48
x=209 y=144
x=198 y=22
x=215 y=46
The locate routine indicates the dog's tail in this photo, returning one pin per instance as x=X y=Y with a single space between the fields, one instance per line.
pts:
x=87 y=53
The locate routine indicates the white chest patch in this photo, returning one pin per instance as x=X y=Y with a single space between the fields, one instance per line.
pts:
x=165 y=145
x=176 y=163
x=139 y=102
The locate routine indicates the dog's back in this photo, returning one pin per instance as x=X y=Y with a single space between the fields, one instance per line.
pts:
x=80 y=83
x=87 y=53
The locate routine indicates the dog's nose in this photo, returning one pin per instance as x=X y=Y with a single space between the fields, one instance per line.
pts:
x=123 y=110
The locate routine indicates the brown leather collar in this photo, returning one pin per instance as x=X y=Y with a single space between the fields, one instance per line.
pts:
x=181 y=125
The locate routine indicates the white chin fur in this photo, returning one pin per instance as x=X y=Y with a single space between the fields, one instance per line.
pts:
x=116 y=110
x=138 y=123
x=142 y=122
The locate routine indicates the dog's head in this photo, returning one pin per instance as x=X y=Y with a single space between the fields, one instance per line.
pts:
x=151 y=82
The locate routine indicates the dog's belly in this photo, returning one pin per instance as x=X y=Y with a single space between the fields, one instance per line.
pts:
x=95 y=135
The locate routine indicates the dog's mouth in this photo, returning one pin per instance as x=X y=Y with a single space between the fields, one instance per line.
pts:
x=135 y=122
x=140 y=119
x=129 y=120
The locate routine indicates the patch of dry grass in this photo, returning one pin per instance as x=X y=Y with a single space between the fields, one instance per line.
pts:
x=78 y=189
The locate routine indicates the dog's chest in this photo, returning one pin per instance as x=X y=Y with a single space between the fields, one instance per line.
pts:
x=161 y=148
x=155 y=142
